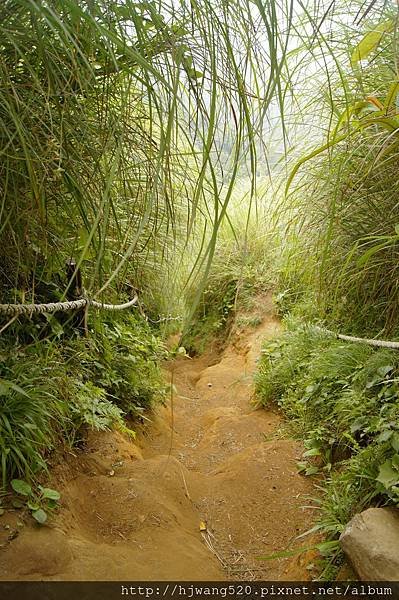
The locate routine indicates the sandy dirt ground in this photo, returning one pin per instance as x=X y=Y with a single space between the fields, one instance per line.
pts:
x=209 y=486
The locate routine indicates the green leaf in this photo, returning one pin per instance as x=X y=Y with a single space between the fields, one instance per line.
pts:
x=328 y=548
x=2 y=511
x=40 y=516
x=301 y=466
x=370 y=41
x=312 y=470
x=312 y=452
x=387 y=475
x=371 y=251
x=33 y=505
x=50 y=494
x=385 y=370
x=21 y=487
x=6 y=385
x=358 y=424
x=395 y=441
x=384 y=435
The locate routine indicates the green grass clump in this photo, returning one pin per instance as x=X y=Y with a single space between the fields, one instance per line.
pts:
x=51 y=391
x=344 y=401
x=33 y=414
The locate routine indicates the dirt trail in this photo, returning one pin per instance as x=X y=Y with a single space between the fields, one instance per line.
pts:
x=134 y=511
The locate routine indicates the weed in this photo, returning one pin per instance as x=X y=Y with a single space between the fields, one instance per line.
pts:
x=39 y=501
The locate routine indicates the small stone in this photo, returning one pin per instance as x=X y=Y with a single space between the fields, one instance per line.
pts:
x=209 y=385
x=111 y=473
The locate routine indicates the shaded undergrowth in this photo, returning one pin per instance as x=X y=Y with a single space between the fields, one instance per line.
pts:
x=52 y=390
x=342 y=399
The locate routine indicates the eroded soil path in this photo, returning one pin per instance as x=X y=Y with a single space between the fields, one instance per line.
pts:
x=209 y=486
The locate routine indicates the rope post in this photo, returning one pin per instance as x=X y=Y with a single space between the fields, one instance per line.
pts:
x=75 y=292
x=74 y=278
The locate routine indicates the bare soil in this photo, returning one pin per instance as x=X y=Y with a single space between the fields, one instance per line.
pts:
x=209 y=486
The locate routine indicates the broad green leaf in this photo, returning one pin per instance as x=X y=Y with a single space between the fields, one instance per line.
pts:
x=395 y=441
x=312 y=470
x=50 y=494
x=301 y=466
x=40 y=516
x=21 y=487
x=387 y=475
x=312 y=452
x=384 y=435
x=370 y=41
x=390 y=99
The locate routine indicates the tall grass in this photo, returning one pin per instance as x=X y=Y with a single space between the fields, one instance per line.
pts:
x=338 y=266
x=113 y=118
x=342 y=194
x=124 y=128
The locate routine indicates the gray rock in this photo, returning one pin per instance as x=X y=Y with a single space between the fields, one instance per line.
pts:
x=371 y=543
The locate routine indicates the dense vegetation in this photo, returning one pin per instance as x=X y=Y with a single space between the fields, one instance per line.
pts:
x=338 y=269
x=125 y=128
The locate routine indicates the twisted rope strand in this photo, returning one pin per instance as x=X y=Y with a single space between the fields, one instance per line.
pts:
x=29 y=309
x=359 y=340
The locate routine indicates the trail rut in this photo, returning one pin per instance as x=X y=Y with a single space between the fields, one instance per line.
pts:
x=210 y=486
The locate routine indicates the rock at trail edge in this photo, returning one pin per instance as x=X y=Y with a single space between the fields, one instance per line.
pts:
x=371 y=543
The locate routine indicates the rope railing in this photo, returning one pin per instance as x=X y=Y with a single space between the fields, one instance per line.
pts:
x=360 y=340
x=50 y=307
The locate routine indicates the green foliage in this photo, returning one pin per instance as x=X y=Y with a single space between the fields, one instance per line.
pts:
x=39 y=501
x=344 y=400
x=242 y=267
x=128 y=364
x=342 y=248
x=32 y=412
x=90 y=407
x=49 y=392
x=114 y=118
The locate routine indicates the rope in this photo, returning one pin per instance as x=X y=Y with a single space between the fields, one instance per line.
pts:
x=29 y=309
x=359 y=340
x=163 y=319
